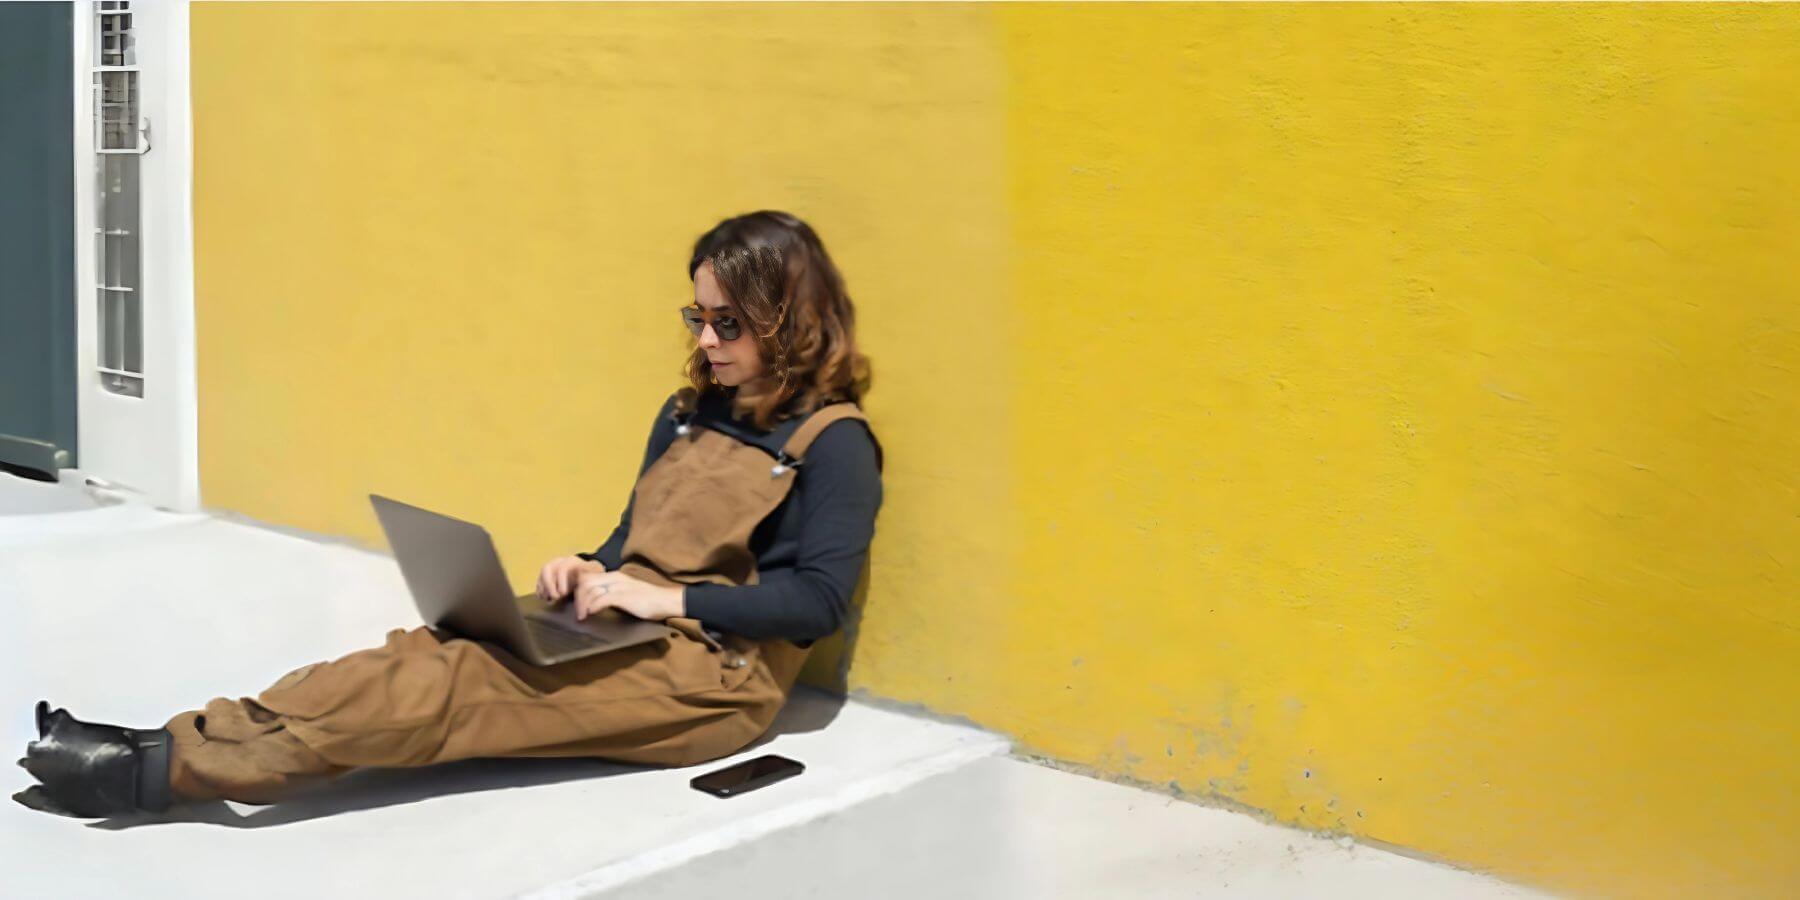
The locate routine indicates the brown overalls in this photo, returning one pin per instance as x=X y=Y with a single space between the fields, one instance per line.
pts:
x=427 y=697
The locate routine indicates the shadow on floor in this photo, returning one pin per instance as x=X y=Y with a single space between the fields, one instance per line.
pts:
x=363 y=789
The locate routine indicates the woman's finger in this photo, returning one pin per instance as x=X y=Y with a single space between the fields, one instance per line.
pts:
x=597 y=601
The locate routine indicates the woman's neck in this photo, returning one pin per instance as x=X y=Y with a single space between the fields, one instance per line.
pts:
x=746 y=396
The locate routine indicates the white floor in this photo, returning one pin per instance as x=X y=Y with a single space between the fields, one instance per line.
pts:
x=169 y=610
x=1000 y=827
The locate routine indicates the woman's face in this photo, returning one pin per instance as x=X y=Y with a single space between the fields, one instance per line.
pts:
x=734 y=362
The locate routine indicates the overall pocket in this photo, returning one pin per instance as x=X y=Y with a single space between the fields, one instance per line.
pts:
x=737 y=657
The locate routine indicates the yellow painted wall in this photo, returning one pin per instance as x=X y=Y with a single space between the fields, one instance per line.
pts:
x=1383 y=416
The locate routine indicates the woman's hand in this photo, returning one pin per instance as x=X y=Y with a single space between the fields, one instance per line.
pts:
x=557 y=578
x=595 y=591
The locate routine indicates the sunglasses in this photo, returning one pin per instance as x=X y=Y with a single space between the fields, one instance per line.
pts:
x=727 y=327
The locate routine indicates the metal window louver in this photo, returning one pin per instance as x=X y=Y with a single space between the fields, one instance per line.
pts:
x=121 y=138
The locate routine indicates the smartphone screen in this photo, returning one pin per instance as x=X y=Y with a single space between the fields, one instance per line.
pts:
x=746 y=776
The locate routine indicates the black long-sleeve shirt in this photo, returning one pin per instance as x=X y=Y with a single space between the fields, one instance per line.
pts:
x=809 y=552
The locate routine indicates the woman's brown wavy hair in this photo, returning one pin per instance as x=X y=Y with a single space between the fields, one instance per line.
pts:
x=788 y=293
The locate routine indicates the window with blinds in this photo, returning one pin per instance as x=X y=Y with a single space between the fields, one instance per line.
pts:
x=119 y=143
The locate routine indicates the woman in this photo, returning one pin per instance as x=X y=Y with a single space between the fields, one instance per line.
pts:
x=747 y=531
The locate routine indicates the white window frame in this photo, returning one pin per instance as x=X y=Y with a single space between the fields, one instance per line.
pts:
x=148 y=445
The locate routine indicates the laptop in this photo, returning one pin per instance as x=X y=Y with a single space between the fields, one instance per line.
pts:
x=454 y=574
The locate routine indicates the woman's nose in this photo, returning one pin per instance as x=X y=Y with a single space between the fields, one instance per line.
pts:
x=708 y=337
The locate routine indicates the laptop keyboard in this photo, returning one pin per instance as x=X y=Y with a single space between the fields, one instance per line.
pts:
x=555 y=639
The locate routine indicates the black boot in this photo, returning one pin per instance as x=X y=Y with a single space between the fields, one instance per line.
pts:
x=89 y=769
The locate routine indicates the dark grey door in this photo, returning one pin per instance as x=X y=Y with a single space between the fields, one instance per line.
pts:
x=37 y=251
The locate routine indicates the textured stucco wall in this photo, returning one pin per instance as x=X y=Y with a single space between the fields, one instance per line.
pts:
x=1440 y=363
x=1383 y=416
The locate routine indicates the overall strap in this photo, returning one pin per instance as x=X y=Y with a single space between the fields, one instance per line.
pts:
x=794 y=451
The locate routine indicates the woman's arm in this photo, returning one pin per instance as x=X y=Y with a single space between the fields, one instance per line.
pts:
x=839 y=494
x=662 y=434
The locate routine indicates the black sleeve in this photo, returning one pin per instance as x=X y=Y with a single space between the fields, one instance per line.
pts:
x=662 y=434
x=839 y=492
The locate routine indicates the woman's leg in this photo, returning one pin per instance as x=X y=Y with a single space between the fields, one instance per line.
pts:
x=425 y=698
x=237 y=750
x=242 y=750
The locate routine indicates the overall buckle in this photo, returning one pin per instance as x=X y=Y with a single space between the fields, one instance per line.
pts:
x=783 y=462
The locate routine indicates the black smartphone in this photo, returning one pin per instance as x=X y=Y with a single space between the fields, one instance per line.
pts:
x=746 y=776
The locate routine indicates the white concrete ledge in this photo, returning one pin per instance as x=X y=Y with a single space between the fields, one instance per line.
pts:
x=741 y=825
